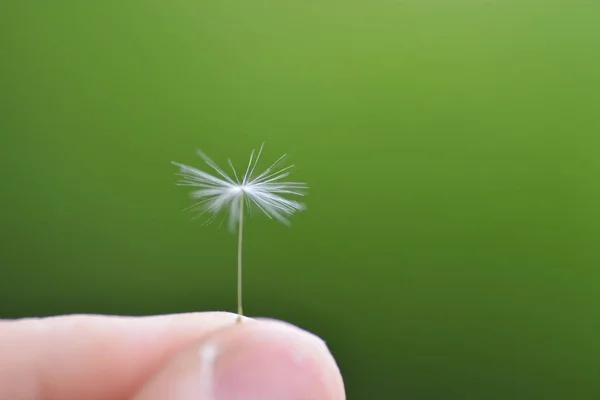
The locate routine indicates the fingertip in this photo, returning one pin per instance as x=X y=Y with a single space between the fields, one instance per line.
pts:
x=266 y=359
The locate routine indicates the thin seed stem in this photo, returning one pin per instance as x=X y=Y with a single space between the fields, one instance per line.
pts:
x=240 y=235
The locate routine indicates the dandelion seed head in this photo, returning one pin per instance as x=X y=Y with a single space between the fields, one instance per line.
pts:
x=220 y=192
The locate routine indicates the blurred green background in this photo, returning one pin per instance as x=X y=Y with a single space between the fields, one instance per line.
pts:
x=450 y=246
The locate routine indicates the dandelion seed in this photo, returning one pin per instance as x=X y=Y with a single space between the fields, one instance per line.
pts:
x=221 y=192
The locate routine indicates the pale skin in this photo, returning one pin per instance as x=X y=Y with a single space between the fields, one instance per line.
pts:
x=200 y=356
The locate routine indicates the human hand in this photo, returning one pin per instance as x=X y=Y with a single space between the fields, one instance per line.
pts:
x=199 y=356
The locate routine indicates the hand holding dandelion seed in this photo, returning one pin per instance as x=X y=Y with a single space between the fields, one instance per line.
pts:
x=177 y=357
x=224 y=193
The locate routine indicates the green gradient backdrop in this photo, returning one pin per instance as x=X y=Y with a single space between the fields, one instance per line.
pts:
x=450 y=249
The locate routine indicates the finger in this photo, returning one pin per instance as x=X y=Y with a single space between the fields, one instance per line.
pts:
x=256 y=360
x=93 y=357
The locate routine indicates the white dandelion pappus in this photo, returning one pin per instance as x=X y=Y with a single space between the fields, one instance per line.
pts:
x=220 y=193
x=226 y=193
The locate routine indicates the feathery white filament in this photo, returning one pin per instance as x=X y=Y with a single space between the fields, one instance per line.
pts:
x=223 y=193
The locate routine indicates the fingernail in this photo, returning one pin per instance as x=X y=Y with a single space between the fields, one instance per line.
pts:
x=208 y=355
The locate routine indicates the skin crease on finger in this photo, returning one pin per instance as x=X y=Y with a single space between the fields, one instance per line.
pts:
x=110 y=358
x=93 y=357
